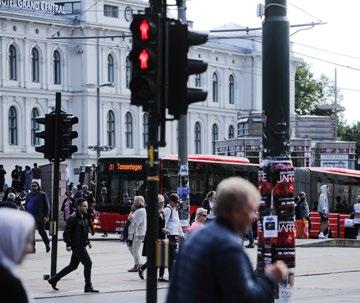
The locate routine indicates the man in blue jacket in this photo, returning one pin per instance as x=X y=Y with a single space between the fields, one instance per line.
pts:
x=37 y=204
x=212 y=266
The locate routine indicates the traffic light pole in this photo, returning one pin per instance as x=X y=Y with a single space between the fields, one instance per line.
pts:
x=276 y=174
x=55 y=198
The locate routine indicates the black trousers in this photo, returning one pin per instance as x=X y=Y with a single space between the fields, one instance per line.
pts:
x=40 y=225
x=79 y=254
x=172 y=252
x=161 y=269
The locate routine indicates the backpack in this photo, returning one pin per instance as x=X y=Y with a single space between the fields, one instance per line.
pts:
x=125 y=233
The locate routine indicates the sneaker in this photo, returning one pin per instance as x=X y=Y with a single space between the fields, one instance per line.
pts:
x=162 y=279
x=321 y=236
x=134 y=269
x=53 y=283
x=141 y=273
x=47 y=248
x=91 y=289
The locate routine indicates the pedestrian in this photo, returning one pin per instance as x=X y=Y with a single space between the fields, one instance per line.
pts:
x=173 y=228
x=76 y=237
x=137 y=230
x=15 y=242
x=357 y=216
x=212 y=266
x=9 y=202
x=250 y=236
x=28 y=177
x=36 y=174
x=21 y=179
x=7 y=191
x=161 y=236
x=37 y=204
x=68 y=206
x=200 y=219
x=15 y=177
x=302 y=210
x=2 y=178
x=209 y=204
x=323 y=209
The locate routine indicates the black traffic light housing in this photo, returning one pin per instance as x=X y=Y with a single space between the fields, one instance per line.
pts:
x=66 y=135
x=143 y=57
x=48 y=149
x=180 y=67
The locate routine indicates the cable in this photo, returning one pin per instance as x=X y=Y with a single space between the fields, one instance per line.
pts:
x=64 y=26
x=304 y=11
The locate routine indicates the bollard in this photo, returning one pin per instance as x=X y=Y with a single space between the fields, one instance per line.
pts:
x=162 y=253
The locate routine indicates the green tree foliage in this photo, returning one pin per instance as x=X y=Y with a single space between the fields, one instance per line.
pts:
x=310 y=93
x=350 y=133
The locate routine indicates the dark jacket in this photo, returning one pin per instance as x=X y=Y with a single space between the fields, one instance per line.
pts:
x=9 y=204
x=212 y=267
x=77 y=230
x=41 y=208
x=11 y=288
x=160 y=236
x=36 y=172
x=205 y=204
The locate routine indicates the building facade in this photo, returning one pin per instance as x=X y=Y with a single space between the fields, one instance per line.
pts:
x=38 y=60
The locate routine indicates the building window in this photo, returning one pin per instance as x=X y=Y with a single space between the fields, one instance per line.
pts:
x=129 y=130
x=243 y=129
x=215 y=88
x=111 y=128
x=197 y=138
x=128 y=72
x=231 y=90
x=70 y=8
x=215 y=137
x=145 y=129
x=110 y=69
x=12 y=63
x=34 y=127
x=13 y=136
x=198 y=80
x=231 y=132
x=35 y=65
x=57 y=67
x=111 y=11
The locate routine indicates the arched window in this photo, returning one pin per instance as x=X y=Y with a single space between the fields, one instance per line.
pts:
x=111 y=128
x=145 y=129
x=34 y=127
x=215 y=88
x=128 y=72
x=57 y=67
x=12 y=63
x=231 y=90
x=197 y=138
x=111 y=73
x=198 y=80
x=129 y=130
x=231 y=132
x=35 y=65
x=215 y=137
x=13 y=135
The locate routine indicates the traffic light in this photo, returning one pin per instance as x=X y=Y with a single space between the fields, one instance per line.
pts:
x=180 y=67
x=48 y=149
x=143 y=57
x=66 y=135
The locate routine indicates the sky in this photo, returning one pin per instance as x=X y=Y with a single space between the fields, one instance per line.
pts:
x=339 y=37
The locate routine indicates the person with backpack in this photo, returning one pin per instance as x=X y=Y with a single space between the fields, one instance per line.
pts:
x=173 y=228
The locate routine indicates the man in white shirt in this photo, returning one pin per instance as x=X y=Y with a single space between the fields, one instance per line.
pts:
x=323 y=209
x=137 y=230
x=173 y=227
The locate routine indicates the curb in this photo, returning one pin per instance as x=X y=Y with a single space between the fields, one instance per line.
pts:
x=350 y=243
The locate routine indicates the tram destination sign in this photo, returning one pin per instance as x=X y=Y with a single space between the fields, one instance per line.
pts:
x=41 y=6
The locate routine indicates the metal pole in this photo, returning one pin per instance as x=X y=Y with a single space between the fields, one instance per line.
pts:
x=55 y=198
x=276 y=174
x=336 y=95
x=97 y=100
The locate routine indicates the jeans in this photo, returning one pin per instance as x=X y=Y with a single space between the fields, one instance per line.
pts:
x=135 y=248
x=79 y=254
x=40 y=225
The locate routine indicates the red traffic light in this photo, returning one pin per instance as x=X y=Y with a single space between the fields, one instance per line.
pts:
x=144 y=59
x=144 y=28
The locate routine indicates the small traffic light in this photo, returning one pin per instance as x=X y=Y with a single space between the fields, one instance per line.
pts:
x=48 y=149
x=180 y=67
x=66 y=135
x=143 y=60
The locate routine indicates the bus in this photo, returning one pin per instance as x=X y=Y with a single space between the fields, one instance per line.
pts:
x=120 y=179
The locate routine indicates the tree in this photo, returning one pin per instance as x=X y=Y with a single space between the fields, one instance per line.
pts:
x=311 y=93
x=350 y=133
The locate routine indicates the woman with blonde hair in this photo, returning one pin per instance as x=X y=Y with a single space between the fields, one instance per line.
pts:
x=200 y=218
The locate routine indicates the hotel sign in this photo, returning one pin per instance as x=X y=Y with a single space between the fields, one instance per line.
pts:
x=41 y=6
